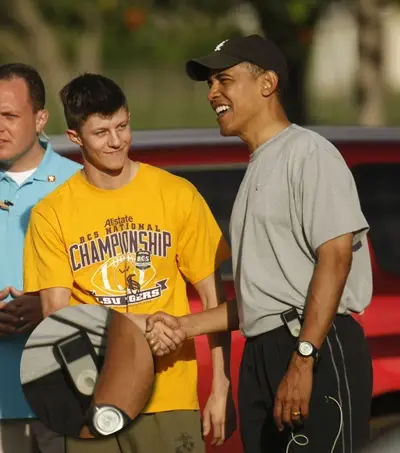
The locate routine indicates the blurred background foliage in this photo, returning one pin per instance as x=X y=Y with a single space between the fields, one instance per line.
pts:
x=144 y=44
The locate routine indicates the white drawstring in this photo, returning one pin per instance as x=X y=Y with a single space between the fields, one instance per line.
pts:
x=301 y=440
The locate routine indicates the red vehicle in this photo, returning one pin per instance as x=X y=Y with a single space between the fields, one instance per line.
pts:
x=216 y=165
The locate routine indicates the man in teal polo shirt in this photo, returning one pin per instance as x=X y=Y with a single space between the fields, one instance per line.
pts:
x=29 y=170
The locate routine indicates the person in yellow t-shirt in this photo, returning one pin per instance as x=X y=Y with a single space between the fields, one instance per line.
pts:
x=128 y=235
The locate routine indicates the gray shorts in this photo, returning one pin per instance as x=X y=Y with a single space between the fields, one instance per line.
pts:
x=163 y=432
x=29 y=436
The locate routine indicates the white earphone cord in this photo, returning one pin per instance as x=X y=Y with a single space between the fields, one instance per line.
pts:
x=304 y=439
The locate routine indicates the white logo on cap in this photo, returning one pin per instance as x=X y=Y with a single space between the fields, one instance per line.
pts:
x=220 y=45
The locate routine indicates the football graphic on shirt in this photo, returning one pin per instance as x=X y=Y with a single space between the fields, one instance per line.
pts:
x=124 y=274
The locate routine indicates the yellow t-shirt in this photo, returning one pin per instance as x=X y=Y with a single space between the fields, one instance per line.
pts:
x=129 y=249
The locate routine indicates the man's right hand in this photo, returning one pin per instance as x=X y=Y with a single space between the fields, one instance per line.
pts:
x=8 y=322
x=27 y=308
x=164 y=333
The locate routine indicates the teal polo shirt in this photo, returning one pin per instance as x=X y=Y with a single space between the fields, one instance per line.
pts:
x=52 y=171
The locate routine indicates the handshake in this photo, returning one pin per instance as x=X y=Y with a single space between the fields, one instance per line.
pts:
x=164 y=333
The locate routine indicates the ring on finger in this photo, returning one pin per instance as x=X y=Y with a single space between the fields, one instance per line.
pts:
x=296 y=413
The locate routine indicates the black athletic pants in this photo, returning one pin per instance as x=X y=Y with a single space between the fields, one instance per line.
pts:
x=342 y=388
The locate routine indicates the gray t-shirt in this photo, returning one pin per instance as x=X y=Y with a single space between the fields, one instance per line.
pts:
x=297 y=194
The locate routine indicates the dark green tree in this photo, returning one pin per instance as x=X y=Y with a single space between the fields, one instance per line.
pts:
x=60 y=38
x=290 y=24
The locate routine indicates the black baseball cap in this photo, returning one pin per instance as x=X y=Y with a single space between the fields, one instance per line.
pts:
x=253 y=49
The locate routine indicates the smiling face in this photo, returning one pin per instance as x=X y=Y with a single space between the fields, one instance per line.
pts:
x=237 y=95
x=105 y=141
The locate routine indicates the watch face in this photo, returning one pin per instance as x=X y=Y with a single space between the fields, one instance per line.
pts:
x=305 y=348
x=107 y=420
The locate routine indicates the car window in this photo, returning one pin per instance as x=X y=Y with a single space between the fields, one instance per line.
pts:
x=379 y=191
x=219 y=188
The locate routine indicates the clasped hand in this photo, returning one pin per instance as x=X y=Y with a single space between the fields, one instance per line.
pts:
x=21 y=314
x=164 y=333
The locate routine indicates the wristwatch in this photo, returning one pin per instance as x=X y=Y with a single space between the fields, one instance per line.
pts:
x=105 y=419
x=307 y=349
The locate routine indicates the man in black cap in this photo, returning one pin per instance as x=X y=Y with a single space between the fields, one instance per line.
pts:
x=233 y=64
x=301 y=266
